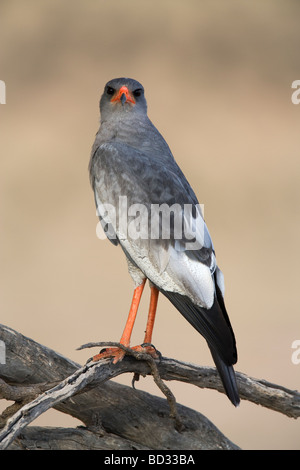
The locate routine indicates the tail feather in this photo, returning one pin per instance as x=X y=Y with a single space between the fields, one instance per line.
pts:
x=228 y=378
x=214 y=325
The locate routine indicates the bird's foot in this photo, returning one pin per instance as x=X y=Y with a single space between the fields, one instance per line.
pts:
x=118 y=354
x=147 y=348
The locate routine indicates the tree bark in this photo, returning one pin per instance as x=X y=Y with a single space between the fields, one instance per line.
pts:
x=115 y=416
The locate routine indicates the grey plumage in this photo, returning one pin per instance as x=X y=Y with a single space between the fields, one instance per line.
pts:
x=131 y=158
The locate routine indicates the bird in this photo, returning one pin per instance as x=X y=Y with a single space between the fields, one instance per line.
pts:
x=137 y=183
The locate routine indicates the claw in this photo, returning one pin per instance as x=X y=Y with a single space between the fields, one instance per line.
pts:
x=136 y=378
x=116 y=353
x=149 y=349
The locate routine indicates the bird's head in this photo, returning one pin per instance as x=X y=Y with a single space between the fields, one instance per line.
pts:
x=122 y=95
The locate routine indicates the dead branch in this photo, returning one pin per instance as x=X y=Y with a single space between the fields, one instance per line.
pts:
x=260 y=392
x=37 y=379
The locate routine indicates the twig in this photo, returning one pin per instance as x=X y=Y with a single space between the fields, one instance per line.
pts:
x=143 y=356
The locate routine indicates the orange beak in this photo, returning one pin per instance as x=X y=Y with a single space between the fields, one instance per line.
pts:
x=123 y=95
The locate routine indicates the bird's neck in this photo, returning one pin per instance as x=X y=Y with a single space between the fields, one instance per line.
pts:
x=136 y=131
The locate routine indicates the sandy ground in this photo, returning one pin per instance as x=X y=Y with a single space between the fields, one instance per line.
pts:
x=218 y=81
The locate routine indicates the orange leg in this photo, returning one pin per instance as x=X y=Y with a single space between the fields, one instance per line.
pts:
x=146 y=347
x=151 y=314
x=125 y=339
x=117 y=353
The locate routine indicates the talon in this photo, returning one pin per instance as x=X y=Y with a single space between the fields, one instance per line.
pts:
x=148 y=348
x=116 y=354
x=136 y=378
x=148 y=344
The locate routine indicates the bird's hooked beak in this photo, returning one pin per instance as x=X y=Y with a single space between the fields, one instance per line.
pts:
x=124 y=96
x=123 y=99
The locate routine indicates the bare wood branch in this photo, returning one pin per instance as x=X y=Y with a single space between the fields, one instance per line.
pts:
x=65 y=389
x=109 y=409
x=45 y=438
x=258 y=391
x=261 y=392
x=142 y=356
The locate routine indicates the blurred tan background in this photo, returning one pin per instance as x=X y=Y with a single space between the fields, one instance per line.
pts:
x=218 y=81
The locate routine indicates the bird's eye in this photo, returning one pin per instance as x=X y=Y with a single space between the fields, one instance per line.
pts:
x=110 y=90
x=137 y=92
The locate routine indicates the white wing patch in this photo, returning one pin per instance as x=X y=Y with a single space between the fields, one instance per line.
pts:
x=220 y=280
x=182 y=275
x=193 y=277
